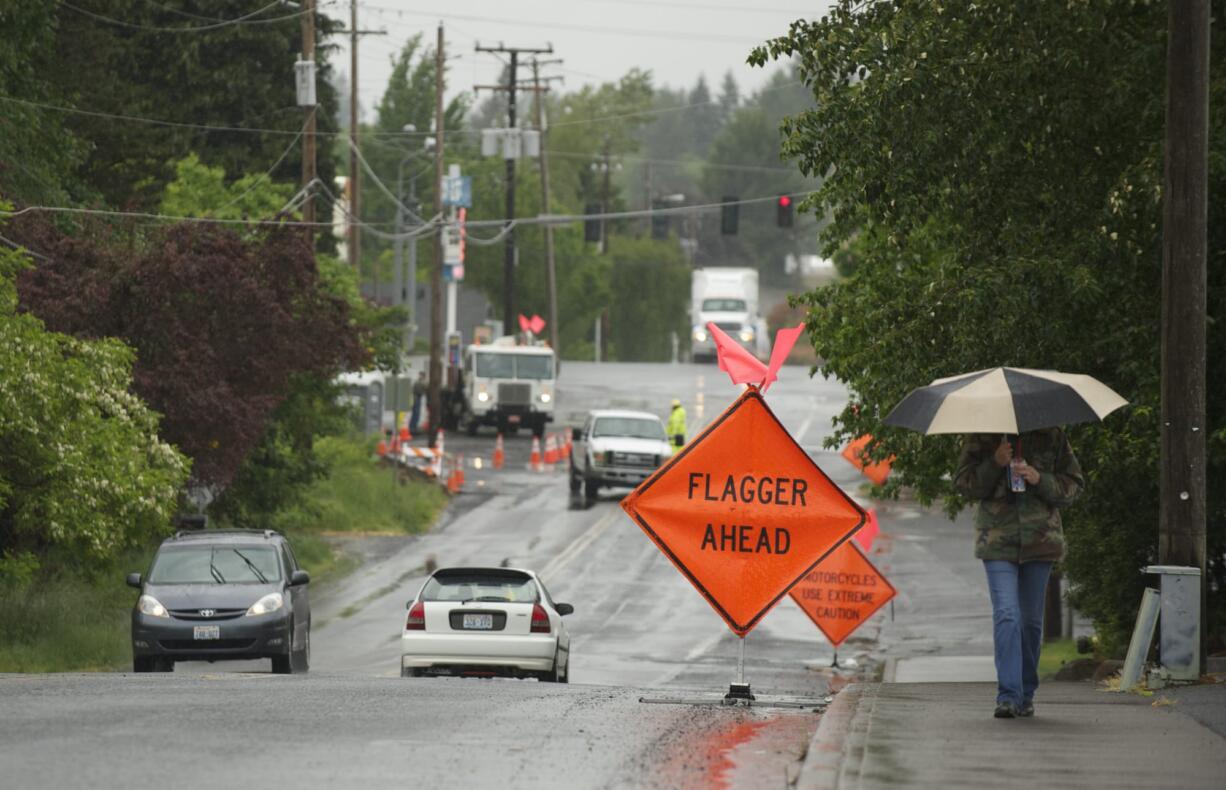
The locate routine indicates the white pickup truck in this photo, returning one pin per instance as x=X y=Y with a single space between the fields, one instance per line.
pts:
x=616 y=448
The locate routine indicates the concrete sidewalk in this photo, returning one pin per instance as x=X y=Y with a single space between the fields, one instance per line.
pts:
x=940 y=735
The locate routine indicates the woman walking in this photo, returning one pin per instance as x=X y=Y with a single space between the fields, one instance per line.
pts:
x=1021 y=483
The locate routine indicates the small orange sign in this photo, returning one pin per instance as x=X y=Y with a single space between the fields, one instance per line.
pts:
x=743 y=512
x=877 y=471
x=842 y=592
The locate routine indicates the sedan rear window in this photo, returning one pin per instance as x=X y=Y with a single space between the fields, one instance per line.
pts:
x=215 y=565
x=492 y=586
x=628 y=426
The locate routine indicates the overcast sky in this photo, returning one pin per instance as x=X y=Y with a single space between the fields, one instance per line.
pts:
x=599 y=40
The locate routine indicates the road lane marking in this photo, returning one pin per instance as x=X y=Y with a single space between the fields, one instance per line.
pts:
x=579 y=544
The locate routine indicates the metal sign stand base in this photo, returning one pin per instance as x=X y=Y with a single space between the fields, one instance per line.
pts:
x=740 y=695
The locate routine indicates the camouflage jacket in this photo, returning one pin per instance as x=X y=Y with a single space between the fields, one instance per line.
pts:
x=1024 y=526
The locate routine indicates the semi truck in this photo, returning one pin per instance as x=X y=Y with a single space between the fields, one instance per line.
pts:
x=727 y=297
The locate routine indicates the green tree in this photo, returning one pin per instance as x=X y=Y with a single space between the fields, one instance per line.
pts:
x=1000 y=169
x=82 y=469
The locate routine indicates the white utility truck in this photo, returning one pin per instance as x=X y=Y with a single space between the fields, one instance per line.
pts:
x=506 y=385
x=728 y=297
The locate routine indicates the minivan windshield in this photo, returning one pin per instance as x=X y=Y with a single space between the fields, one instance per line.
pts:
x=723 y=305
x=506 y=587
x=632 y=427
x=215 y=565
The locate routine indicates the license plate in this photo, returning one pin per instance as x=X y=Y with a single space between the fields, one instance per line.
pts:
x=513 y=418
x=206 y=632
x=478 y=622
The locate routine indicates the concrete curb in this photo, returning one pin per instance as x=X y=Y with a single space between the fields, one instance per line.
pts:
x=836 y=752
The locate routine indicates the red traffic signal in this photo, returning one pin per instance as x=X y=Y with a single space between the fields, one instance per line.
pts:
x=784 y=211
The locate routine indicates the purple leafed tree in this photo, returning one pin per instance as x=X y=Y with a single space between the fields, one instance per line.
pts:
x=221 y=323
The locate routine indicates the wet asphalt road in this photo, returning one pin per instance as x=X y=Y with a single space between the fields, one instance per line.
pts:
x=639 y=631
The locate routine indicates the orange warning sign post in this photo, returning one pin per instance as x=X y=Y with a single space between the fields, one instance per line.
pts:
x=842 y=592
x=743 y=512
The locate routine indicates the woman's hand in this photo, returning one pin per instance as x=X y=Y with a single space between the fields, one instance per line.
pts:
x=1029 y=473
x=1003 y=454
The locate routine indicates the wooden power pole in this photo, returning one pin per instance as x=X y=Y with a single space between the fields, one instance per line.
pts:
x=355 y=170
x=1181 y=517
x=551 y=281
x=436 y=274
x=308 y=132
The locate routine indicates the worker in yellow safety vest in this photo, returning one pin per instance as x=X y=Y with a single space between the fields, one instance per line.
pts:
x=676 y=426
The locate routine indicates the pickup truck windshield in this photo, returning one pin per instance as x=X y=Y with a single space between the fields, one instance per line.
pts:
x=723 y=305
x=629 y=427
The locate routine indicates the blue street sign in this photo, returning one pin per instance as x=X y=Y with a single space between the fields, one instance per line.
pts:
x=458 y=191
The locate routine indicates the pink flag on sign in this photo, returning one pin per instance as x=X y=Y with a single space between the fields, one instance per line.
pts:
x=536 y=324
x=524 y=326
x=868 y=532
x=743 y=367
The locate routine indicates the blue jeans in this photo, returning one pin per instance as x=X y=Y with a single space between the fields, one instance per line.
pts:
x=1018 y=594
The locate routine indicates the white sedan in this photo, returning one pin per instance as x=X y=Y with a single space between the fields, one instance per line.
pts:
x=484 y=622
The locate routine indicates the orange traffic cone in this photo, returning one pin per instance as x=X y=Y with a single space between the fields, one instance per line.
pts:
x=459 y=472
x=453 y=479
x=405 y=436
x=382 y=448
x=566 y=445
x=535 y=460
x=500 y=455
x=551 y=450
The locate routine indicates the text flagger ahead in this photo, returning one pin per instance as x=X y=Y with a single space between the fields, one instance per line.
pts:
x=743 y=512
x=842 y=592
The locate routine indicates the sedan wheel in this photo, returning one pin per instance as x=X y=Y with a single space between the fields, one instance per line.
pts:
x=302 y=659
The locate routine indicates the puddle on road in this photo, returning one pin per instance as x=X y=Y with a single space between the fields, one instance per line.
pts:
x=747 y=750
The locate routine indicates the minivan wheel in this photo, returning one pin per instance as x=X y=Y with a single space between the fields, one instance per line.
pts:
x=301 y=659
x=283 y=665
x=142 y=664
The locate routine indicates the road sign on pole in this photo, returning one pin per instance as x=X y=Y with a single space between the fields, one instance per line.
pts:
x=744 y=512
x=842 y=592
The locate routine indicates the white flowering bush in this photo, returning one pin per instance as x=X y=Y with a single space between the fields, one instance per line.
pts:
x=81 y=466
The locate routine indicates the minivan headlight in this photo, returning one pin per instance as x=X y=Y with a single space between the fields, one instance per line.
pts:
x=149 y=605
x=269 y=603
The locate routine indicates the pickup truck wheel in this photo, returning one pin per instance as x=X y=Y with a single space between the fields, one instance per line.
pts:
x=576 y=482
x=590 y=487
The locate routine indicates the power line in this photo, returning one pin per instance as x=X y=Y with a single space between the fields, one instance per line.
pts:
x=672 y=35
x=675 y=162
x=245 y=19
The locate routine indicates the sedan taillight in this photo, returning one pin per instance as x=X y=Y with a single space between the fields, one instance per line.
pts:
x=540 y=620
x=417 y=618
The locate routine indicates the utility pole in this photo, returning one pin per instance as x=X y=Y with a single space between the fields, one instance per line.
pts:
x=355 y=166
x=308 y=133
x=604 y=199
x=551 y=282
x=355 y=170
x=436 y=274
x=508 y=276
x=1181 y=513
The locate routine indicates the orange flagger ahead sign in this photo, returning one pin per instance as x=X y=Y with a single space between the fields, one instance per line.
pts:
x=743 y=512
x=842 y=592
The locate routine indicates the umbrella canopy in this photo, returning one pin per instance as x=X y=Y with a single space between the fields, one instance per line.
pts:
x=1004 y=400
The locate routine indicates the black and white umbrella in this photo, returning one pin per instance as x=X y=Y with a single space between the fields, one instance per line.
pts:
x=1004 y=400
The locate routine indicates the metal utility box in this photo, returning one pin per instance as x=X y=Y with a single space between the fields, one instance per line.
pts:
x=1179 y=621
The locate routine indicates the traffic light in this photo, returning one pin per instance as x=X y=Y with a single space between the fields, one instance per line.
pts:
x=784 y=211
x=729 y=213
x=591 y=227
x=659 y=222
